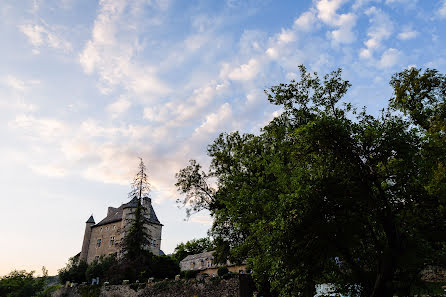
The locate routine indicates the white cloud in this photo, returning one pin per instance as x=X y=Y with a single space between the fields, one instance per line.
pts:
x=441 y=12
x=35 y=127
x=118 y=107
x=15 y=83
x=389 y=58
x=306 y=21
x=406 y=2
x=205 y=220
x=361 y=3
x=44 y=34
x=178 y=113
x=214 y=121
x=327 y=12
x=115 y=59
x=380 y=30
x=245 y=71
x=407 y=35
x=287 y=36
x=49 y=170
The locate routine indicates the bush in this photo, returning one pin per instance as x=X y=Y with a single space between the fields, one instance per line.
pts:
x=222 y=271
x=189 y=274
x=164 y=267
x=90 y=291
x=101 y=268
x=74 y=271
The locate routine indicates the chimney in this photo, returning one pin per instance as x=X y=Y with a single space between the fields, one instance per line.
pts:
x=147 y=203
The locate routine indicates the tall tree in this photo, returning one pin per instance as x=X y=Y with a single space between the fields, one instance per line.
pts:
x=137 y=237
x=324 y=194
x=191 y=247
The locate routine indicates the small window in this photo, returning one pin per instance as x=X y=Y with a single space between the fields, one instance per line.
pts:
x=106 y=228
x=112 y=241
x=154 y=242
x=114 y=227
x=101 y=229
x=98 y=244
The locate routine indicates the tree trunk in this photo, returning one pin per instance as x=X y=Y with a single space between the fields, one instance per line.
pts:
x=384 y=279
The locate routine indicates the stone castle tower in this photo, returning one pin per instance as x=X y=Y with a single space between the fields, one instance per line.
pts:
x=104 y=238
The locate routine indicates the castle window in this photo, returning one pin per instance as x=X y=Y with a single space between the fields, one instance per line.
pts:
x=101 y=229
x=98 y=244
x=112 y=241
x=114 y=227
x=154 y=242
x=106 y=228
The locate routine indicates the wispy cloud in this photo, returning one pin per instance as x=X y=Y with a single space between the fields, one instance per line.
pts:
x=407 y=34
x=114 y=57
x=42 y=34
x=381 y=29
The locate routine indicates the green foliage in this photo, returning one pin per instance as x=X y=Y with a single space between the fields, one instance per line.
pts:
x=191 y=247
x=326 y=194
x=115 y=270
x=189 y=274
x=164 y=267
x=74 y=271
x=101 y=268
x=222 y=271
x=24 y=284
x=90 y=290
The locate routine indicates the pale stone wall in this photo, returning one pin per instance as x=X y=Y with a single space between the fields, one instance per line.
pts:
x=104 y=233
x=117 y=230
x=231 y=268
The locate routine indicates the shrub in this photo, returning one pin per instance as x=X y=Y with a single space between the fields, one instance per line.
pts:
x=100 y=268
x=222 y=271
x=189 y=274
x=74 y=271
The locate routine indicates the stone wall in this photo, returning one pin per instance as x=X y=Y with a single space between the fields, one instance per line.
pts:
x=210 y=287
x=104 y=233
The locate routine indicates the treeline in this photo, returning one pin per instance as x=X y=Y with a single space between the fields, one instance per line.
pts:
x=20 y=283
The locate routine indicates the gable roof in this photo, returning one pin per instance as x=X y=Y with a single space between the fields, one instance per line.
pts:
x=115 y=215
x=203 y=255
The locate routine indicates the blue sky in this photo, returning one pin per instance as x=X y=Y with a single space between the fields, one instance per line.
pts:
x=87 y=86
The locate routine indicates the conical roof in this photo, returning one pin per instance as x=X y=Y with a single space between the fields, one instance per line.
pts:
x=90 y=220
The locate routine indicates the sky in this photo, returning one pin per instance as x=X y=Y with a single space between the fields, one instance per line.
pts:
x=87 y=87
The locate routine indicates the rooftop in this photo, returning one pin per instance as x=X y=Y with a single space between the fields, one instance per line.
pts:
x=115 y=214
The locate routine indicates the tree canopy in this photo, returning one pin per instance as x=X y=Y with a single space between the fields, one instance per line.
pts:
x=191 y=247
x=329 y=194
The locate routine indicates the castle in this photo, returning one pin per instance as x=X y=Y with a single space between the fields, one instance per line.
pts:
x=104 y=238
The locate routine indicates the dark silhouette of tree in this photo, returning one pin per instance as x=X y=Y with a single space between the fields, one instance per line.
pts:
x=137 y=237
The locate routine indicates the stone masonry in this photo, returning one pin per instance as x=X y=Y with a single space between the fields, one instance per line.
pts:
x=105 y=237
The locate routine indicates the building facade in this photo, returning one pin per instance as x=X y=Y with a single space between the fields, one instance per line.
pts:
x=105 y=237
x=204 y=263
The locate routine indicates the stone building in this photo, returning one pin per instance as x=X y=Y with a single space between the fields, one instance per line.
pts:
x=204 y=263
x=105 y=237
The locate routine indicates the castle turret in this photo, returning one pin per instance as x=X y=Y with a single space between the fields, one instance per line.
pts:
x=87 y=235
